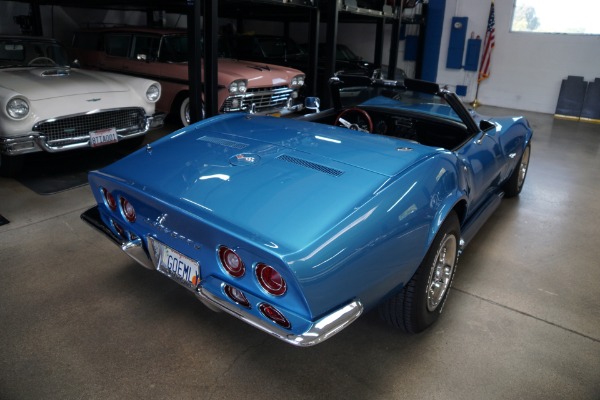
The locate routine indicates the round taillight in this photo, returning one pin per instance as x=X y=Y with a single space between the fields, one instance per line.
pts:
x=270 y=280
x=232 y=263
x=109 y=199
x=119 y=229
x=274 y=315
x=128 y=210
x=237 y=296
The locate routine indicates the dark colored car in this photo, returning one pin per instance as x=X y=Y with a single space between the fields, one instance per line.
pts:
x=284 y=51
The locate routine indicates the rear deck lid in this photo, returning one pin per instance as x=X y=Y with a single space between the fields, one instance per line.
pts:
x=283 y=180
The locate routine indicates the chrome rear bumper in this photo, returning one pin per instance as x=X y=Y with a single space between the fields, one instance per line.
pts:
x=318 y=331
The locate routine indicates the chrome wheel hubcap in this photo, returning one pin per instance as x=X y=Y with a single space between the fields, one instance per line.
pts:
x=523 y=167
x=440 y=276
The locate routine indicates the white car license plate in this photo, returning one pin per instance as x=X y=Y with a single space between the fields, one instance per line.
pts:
x=175 y=265
x=103 y=137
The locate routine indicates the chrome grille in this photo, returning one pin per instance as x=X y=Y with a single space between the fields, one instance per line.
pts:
x=76 y=128
x=275 y=97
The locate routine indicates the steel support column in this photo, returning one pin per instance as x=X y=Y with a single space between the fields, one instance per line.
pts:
x=330 y=50
x=378 y=56
x=313 y=51
x=194 y=16
x=394 y=46
x=211 y=39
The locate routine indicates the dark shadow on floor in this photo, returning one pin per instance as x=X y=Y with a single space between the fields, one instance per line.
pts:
x=47 y=173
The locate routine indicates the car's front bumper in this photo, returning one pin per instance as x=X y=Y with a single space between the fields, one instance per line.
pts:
x=262 y=100
x=317 y=332
x=37 y=140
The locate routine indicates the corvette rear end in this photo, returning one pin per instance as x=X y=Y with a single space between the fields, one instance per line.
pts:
x=263 y=227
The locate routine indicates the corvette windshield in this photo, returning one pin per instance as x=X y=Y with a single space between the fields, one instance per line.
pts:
x=395 y=96
x=31 y=53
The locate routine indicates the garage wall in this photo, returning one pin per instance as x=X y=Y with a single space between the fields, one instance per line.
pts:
x=527 y=68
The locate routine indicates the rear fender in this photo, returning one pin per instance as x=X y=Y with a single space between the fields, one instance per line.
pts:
x=451 y=203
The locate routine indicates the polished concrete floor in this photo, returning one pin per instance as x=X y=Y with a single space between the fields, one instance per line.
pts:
x=80 y=320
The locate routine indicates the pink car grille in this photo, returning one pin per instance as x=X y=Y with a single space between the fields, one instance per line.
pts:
x=263 y=99
x=76 y=128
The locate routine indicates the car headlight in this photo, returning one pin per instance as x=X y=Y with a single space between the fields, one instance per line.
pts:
x=153 y=92
x=238 y=86
x=297 y=81
x=17 y=108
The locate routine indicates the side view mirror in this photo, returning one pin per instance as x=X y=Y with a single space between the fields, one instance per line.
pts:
x=312 y=103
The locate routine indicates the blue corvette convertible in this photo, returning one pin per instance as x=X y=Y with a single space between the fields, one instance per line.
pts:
x=298 y=226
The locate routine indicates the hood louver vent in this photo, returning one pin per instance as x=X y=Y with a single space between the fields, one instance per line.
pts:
x=56 y=72
x=224 y=142
x=311 y=165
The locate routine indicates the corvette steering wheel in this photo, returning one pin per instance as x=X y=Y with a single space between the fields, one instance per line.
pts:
x=356 y=119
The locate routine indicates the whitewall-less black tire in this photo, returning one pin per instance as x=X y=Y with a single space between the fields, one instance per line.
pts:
x=421 y=300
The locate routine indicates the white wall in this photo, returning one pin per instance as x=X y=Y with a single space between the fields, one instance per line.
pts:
x=527 y=68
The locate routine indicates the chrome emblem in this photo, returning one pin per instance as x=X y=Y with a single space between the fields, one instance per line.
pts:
x=158 y=224
x=245 y=159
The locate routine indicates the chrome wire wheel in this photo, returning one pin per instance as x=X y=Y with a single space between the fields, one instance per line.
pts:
x=440 y=276
x=523 y=167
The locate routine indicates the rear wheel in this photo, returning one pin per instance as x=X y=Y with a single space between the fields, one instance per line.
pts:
x=514 y=184
x=420 y=302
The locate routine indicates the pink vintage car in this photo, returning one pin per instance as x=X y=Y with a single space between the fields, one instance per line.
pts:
x=162 y=54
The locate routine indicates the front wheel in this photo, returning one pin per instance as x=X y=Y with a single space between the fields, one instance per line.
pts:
x=419 y=304
x=184 y=111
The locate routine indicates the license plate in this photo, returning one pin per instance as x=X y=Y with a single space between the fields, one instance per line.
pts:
x=177 y=266
x=103 y=137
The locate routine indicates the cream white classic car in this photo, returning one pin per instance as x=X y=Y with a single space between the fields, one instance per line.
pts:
x=45 y=105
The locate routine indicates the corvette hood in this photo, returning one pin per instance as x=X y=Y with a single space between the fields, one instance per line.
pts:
x=283 y=180
x=48 y=82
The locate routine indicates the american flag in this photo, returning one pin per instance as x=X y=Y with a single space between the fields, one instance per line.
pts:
x=488 y=46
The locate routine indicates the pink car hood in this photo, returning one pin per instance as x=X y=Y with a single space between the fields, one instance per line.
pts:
x=258 y=74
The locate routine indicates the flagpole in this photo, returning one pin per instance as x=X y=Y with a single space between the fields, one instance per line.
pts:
x=488 y=46
x=475 y=103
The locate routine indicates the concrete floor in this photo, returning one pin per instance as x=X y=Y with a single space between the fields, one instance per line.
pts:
x=78 y=319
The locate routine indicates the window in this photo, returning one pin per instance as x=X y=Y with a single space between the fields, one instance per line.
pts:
x=145 y=47
x=118 y=45
x=543 y=16
x=174 y=49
